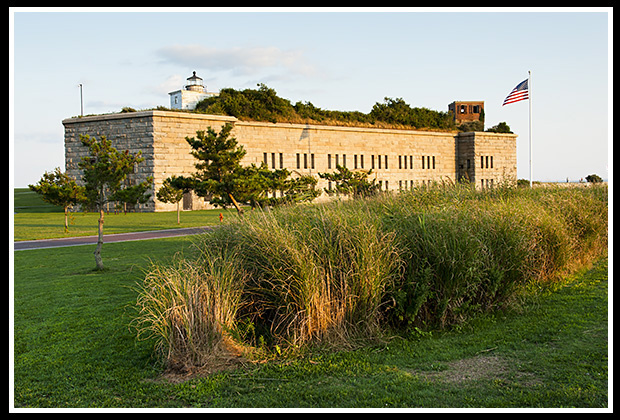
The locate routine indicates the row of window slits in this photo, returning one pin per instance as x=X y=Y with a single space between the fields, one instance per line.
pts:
x=486 y=162
x=307 y=160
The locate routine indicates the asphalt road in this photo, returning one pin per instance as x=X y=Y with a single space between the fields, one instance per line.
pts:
x=116 y=237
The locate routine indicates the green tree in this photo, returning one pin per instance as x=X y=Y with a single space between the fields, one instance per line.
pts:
x=299 y=190
x=502 y=127
x=219 y=170
x=594 y=178
x=59 y=189
x=262 y=104
x=258 y=181
x=393 y=111
x=170 y=193
x=221 y=176
x=397 y=111
x=254 y=182
x=351 y=183
x=133 y=194
x=104 y=171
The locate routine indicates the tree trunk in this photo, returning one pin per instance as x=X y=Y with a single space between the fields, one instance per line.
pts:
x=97 y=252
x=66 y=219
x=239 y=210
x=178 y=213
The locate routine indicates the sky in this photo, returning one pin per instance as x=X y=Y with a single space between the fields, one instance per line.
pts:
x=337 y=58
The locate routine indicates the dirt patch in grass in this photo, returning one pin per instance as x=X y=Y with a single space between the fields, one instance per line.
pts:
x=480 y=368
x=181 y=373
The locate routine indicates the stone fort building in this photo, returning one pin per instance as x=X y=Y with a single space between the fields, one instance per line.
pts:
x=399 y=159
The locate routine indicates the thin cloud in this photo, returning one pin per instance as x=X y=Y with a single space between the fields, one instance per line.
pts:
x=174 y=82
x=237 y=60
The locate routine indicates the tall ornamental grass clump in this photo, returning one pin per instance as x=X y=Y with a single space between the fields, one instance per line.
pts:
x=316 y=273
x=345 y=272
x=465 y=251
x=189 y=307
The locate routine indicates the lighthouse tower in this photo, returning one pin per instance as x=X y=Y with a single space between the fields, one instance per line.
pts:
x=193 y=92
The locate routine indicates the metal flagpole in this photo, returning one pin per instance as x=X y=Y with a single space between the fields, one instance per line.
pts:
x=529 y=88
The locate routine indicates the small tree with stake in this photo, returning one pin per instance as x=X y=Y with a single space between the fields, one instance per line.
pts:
x=59 y=189
x=105 y=169
x=171 y=193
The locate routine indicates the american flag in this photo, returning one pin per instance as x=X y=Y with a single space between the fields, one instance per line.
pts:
x=519 y=93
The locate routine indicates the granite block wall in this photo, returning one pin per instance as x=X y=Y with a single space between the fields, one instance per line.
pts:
x=399 y=159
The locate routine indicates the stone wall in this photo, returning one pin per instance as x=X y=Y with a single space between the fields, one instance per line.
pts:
x=487 y=159
x=399 y=159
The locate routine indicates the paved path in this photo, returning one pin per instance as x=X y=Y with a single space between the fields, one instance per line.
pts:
x=115 y=237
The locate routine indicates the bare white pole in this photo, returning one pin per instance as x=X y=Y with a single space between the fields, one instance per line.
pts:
x=81 y=101
x=529 y=93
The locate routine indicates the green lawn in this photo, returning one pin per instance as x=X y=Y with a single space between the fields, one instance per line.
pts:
x=35 y=219
x=73 y=347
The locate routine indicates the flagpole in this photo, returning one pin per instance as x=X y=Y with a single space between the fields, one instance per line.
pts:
x=529 y=87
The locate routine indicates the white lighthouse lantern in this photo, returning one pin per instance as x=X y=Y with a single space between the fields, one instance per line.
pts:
x=192 y=93
x=194 y=84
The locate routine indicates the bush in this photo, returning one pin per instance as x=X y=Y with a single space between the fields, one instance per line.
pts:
x=263 y=104
x=470 y=251
x=502 y=127
x=344 y=273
